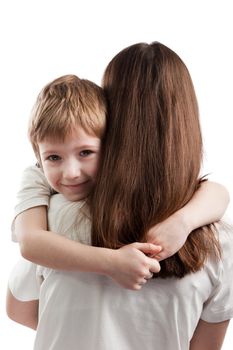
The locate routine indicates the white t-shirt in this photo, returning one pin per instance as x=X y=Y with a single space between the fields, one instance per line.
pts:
x=89 y=311
x=34 y=191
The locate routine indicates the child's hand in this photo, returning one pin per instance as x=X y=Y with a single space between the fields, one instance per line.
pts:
x=170 y=234
x=131 y=267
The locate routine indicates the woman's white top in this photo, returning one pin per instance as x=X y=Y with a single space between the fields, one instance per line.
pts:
x=87 y=311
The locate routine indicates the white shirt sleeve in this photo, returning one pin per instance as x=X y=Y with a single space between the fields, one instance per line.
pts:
x=219 y=306
x=24 y=283
x=34 y=191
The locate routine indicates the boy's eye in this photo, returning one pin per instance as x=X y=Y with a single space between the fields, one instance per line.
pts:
x=86 y=153
x=54 y=157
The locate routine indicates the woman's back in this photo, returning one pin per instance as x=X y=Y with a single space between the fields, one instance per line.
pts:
x=89 y=311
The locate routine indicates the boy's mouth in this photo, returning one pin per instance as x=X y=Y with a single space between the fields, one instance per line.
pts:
x=74 y=186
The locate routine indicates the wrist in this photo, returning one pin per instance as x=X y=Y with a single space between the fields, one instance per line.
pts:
x=184 y=221
x=106 y=261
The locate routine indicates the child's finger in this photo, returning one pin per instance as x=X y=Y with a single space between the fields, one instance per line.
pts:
x=154 y=265
x=163 y=254
x=148 y=248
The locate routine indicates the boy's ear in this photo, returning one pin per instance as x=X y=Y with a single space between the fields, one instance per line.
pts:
x=38 y=163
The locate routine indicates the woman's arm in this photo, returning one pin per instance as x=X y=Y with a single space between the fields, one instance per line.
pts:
x=206 y=206
x=209 y=336
x=23 y=312
x=127 y=266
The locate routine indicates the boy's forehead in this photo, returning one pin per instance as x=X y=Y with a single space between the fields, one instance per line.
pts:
x=75 y=134
x=64 y=134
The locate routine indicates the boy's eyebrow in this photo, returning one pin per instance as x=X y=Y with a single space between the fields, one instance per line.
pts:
x=58 y=150
x=50 y=151
x=89 y=146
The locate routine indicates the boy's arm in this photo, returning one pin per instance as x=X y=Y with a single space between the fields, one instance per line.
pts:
x=128 y=266
x=23 y=312
x=55 y=251
x=209 y=336
x=207 y=205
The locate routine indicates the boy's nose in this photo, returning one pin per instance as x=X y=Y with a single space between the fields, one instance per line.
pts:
x=72 y=170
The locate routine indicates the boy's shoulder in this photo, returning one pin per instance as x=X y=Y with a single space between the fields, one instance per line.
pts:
x=33 y=176
x=33 y=171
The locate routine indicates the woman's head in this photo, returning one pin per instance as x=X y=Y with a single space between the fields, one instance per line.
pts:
x=152 y=150
x=153 y=109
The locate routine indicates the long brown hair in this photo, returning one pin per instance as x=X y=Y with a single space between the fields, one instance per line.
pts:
x=152 y=154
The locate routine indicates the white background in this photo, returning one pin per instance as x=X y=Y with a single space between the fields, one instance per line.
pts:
x=41 y=40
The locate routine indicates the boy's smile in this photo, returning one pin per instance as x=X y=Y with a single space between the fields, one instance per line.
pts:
x=70 y=166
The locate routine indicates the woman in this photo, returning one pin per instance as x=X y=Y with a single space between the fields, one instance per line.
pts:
x=150 y=168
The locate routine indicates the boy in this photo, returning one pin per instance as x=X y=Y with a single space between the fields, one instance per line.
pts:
x=67 y=124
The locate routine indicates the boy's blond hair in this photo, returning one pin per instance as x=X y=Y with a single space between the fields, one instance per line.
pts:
x=63 y=104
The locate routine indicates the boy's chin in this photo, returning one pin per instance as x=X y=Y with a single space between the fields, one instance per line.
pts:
x=76 y=196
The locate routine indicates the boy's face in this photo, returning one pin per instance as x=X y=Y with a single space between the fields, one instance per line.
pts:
x=71 y=166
